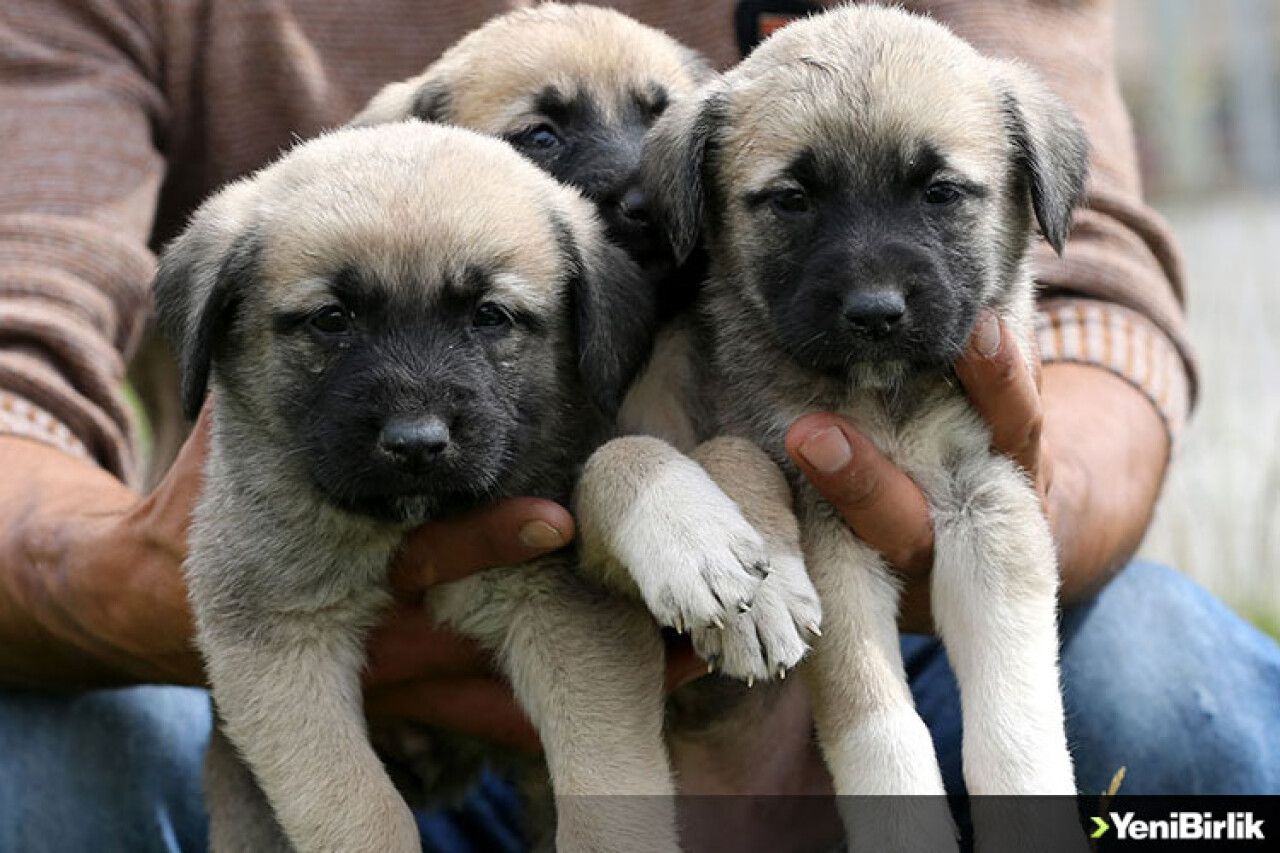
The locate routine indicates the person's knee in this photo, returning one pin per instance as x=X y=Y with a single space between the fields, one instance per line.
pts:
x=103 y=770
x=1162 y=679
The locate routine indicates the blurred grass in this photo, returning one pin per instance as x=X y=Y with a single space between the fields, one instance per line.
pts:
x=1266 y=621
x=144 y=439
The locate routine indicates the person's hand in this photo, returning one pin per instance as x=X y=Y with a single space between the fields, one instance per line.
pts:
x=883 y=506
x=419 y=671
x=93 y=588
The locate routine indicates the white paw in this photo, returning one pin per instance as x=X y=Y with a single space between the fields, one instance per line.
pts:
x=697 y=562
x=771 y=638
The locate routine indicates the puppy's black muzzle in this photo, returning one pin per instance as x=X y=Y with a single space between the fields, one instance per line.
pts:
x=860 y=301
x=875 y=315
x=412 y=423
x=414 y=440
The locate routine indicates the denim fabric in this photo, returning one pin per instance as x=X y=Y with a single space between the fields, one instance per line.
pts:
x=110 y=770
x=1159 y=677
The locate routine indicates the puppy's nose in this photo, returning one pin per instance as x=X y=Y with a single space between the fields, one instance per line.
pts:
x=414 y=438
x=874 y=314
x=634 y=206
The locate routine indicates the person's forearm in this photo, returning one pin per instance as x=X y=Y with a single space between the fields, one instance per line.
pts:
x=1111 y=450
x=59 y=624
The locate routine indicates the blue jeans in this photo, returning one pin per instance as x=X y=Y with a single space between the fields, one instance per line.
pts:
x=1159 y=678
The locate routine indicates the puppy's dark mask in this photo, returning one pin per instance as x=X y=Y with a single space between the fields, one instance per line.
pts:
x=409 y=402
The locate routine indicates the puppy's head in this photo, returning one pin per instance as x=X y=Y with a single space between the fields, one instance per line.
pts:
x=867 y=181
x=410 y=314
x=574 y=88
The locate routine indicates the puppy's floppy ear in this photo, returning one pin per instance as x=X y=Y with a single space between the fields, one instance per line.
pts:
x=425 y=98
x=615 y=311
x=200 y=282
x=1051 y=148
x=673 y=164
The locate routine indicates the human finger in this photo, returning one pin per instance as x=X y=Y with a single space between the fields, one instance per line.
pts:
x=885 y=508
x=504 y=534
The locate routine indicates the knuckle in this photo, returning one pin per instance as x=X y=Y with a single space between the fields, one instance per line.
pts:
x=1028 y=435
x=858 y=490
x=1018 y=436
x=1007 y=370
x=1035 y=430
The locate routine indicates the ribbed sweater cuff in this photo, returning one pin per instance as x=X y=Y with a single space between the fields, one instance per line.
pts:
x=24 y=418
x=1103 y=334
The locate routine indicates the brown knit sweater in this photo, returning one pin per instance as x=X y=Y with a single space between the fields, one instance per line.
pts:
x=118 y=116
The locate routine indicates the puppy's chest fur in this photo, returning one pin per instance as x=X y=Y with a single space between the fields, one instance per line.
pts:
x=925 y=426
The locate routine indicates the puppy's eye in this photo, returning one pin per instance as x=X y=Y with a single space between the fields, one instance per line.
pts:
x=790 y=202
x=331 y=320
x=491 y=316
x=941 y=192
x=540 y=138
x=656 y=104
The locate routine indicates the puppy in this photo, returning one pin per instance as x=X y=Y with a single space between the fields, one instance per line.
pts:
x=865 y=183
x=402 y=323
x=576 y=88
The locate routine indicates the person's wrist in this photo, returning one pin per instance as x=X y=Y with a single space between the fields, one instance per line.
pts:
x=94 y=592
x=43 y=535
x=1110 y=449
x=128 y=593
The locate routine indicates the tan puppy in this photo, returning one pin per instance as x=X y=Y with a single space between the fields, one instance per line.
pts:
x=401 y=323
x=866 y=183
x=576 y=88
x=573 y=88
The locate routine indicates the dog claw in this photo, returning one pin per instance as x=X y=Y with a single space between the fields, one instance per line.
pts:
x=679 y=624
x=718 y=622
x=812 y=628
x=744 y=607
x=751 y=681
x=782 y=673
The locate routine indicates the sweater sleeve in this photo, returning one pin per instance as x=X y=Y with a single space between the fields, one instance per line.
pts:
x=1115 y=297
x=80 y=116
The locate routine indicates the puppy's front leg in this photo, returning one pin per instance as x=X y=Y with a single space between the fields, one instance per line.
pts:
x=877 y=748
x=785 y=614
x=287 y=689
x=587 y=667
x=240 y=817
x=994 y=598
x=652 y=523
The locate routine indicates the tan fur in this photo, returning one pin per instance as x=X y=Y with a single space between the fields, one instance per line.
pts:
x=285 y=586
x=493 y=75
x=851 y=85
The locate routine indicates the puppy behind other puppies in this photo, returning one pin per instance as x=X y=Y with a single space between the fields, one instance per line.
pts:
x=401 y=323
x=574 y=88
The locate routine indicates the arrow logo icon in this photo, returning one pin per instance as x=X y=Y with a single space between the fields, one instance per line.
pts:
x=1102 y=825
